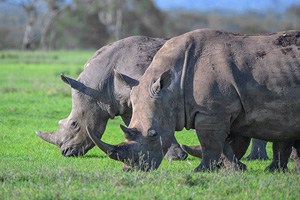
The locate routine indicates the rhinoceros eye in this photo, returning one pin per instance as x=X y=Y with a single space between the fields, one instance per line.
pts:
x=74 y=124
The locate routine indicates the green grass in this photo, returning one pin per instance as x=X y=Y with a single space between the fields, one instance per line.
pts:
x=32 y=97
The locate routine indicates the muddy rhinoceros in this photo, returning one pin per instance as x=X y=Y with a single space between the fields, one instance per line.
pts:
x=98 y=96
x=223 y=85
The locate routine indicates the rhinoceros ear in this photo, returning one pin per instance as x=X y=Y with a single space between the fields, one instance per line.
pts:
x=123 y=85
x=80 y=87
x=73 y=83
x=162 y=82
x=124 y=80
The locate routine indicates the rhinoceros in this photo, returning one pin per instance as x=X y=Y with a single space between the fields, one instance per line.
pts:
x=221 y=84
x=98 y=96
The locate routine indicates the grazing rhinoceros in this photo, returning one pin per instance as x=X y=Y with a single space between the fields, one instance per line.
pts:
x=98 y=96
x=222 y=85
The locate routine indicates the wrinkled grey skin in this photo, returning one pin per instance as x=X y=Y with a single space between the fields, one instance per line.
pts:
x=98 y=96
x=222 y=85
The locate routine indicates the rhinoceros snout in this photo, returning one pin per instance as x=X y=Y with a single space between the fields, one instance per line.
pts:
x=71 y=152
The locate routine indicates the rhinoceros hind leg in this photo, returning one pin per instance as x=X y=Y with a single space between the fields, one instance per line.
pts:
x=258 y=150
x=229 y=158
x=239 y=145
x=281 y=154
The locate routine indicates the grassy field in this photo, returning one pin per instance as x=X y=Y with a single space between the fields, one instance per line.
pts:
x=32 y=97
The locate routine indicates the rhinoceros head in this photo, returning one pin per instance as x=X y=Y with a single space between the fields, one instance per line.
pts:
x=151 y=128
x=88 y=109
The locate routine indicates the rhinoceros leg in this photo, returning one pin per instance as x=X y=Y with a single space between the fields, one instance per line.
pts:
x=212 y=135
x=175 y=152
x=258 y=150
x=235 y=148
x=229 y=159
x=239 y=145
x=281 y=154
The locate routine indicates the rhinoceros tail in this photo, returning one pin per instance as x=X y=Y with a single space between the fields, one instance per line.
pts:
x=193 y=150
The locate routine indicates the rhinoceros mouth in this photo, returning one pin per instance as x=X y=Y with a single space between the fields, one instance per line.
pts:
x=73 y=152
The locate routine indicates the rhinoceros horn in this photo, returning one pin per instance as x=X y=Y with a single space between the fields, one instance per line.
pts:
x=49 y=137
x=129 y=133
x=80 y=86
x=193 y=150
x=116 y=152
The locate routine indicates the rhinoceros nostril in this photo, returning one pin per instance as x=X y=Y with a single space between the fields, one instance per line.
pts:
x=68 y=152
x=64 y=152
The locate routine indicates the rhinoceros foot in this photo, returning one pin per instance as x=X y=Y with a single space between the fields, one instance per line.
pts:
x=257 y=156
x=275 y=166
x=226 y=163
x=206 y=167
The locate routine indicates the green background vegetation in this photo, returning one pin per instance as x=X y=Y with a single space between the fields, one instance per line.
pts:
x=32 y=97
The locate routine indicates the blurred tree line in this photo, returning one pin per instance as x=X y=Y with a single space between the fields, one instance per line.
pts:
x=90 y=24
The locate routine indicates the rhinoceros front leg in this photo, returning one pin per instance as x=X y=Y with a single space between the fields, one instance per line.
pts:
x=281 y=154
x=211 y=133
x=175 y=152
x=258 y=150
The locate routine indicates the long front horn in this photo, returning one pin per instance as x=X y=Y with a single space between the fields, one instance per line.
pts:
x=80 y=86
x=114 y=152
x=193 y=150
x=48 y=137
